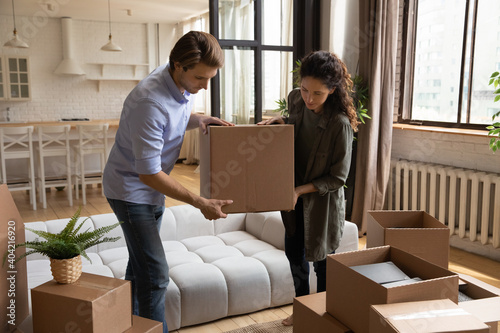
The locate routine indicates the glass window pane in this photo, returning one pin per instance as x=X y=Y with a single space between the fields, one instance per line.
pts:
x=1 y=91
x=277 y=16
x=23 y=65
x=438 y=54
x=237 y=84
x=277 y=78
x=14 y=91
x=236 y=19
x=23 y=78
x=14 y=78
x=486 y=61
x=13 y=64
x=25 y=93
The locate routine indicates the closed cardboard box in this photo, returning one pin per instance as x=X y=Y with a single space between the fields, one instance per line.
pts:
x=144 y=325
x=415 y=232
x=250 y=164
x=485 y=303
x=425 y=316
x=13 y=277
x=309 y=315
x=93 y=304
x=350 y=294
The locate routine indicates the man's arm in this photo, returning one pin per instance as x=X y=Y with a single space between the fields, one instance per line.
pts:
x=200 y=120
x=163 y=183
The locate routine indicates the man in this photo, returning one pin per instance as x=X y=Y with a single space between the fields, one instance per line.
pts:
x=154 y=118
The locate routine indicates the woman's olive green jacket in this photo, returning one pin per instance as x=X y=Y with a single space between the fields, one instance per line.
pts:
x=327 y=169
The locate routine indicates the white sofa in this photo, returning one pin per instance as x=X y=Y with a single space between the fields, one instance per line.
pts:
x=218 y=268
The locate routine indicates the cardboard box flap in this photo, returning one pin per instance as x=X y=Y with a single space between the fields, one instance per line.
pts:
x=436 y=316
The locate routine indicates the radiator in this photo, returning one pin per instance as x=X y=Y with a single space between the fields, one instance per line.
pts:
x=467 y=201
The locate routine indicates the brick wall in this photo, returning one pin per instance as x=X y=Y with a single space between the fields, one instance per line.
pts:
x=55 y=96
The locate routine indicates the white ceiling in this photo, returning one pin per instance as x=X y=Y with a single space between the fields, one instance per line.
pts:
x=142 y=11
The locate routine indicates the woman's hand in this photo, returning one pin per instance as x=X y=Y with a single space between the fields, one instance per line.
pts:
x=274 y=120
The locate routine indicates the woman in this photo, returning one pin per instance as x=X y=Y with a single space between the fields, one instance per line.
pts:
x=324 y=117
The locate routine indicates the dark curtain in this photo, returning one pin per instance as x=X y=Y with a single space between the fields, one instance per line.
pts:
x=377 y=65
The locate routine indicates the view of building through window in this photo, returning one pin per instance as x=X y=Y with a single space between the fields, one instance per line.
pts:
x=442 y=59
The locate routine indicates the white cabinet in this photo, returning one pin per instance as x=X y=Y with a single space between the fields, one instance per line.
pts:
x=15 y=82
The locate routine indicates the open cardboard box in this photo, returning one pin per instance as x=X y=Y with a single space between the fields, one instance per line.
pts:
x=424 y=316
x=415 y=232
x=249 y=164
x=349 y=294
x=486 y=303
x=309 y=315
x=13 y=277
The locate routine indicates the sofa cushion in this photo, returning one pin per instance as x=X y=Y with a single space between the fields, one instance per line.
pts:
x=253 y=246
x=194 y=243
x=247 y=282
x=212 y=253
x=189 y=221
x=200 y=302
x=234 y=237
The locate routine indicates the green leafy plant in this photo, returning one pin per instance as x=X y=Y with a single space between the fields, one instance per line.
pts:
x=360 y=98
x=68 y=243
x=494 y=129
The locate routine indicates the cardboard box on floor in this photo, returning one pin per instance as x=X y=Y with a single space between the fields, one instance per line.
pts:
x=93 y=304
x=424 y=316
x=415 y=232
x=249 y=164
x=349 y=294
x=13 y=277
x=486 y=303
x=144 y=325
x=309 y=315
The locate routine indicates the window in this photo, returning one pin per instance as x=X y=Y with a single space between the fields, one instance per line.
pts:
x=256 y=37
x=449 y=57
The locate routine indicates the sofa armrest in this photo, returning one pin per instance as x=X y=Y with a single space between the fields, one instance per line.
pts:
x=267 y=227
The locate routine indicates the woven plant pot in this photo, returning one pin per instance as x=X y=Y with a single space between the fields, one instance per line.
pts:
x=66 y=270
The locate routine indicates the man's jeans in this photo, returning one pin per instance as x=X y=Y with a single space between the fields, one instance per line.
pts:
x=147 y=267
x=295 y=252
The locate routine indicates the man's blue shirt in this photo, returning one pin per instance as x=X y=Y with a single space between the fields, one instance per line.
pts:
x=149 y=138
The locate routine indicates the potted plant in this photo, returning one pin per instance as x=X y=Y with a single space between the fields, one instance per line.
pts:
x=65 y=248
x=494 y=129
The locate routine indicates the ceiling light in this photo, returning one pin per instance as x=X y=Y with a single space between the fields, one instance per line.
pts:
x=15 y=41
x=110 y=46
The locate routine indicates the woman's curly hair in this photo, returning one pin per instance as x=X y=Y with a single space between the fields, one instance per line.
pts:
x=332 y=72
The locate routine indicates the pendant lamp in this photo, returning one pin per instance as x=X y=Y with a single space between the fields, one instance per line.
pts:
x=15 y=41
x=110 y=46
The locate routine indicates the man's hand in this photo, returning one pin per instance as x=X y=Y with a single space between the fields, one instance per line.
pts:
x=212 y=208
x=202 y=121
x=274 y=120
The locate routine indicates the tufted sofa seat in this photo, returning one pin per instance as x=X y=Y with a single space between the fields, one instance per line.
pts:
x=218 y=268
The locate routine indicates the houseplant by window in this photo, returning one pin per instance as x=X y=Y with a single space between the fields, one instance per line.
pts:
x=65 y=248
x=494 y=129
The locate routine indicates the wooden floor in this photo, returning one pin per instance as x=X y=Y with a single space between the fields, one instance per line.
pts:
x=479 y=267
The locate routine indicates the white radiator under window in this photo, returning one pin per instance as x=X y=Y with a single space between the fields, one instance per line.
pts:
x=467 y=201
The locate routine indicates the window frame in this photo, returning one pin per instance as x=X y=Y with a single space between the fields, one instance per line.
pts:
x=406 y=88
x=255 y=45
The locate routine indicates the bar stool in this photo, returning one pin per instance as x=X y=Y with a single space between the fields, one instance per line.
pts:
x=92 y=140
x=53 y=141
x=17 y=143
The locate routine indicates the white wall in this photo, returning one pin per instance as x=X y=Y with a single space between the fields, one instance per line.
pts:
x=55 y=96
x=459 y=150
